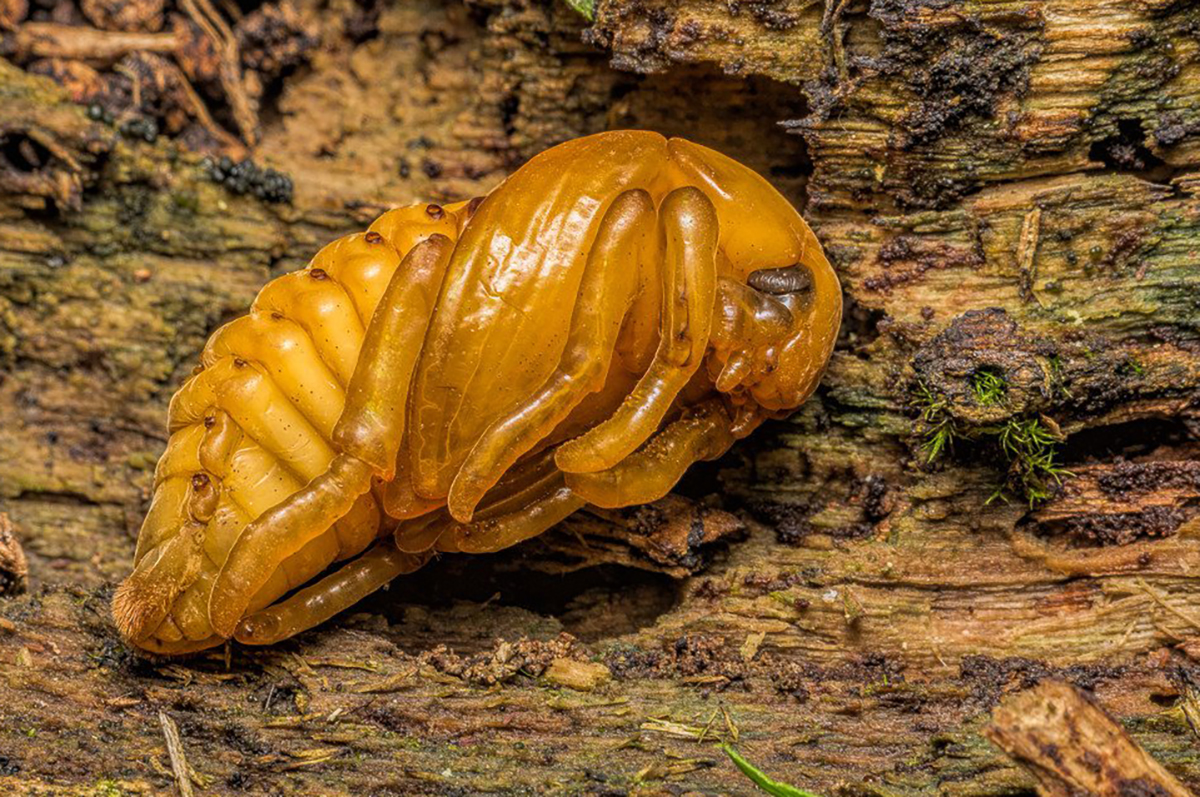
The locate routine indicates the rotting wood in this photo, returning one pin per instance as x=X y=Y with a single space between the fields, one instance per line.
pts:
x=1073 y=747
x=860 y=634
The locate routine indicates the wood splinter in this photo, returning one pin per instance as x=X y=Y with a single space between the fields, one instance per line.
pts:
x=179 y=764
x=1073 y=747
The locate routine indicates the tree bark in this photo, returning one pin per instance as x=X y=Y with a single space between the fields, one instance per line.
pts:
x=996 y=484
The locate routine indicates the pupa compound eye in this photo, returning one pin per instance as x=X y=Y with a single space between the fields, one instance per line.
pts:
x=781 y=281
x=421 y=387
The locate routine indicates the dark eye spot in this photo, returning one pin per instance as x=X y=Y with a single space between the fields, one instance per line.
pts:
x=318 y=274
x=199 y=481
x=434 y=211
x=238 y=362
x=781 y=281
x=209 y=422
x=373 y=237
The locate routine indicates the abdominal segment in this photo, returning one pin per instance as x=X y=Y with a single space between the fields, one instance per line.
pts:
x=252 y=427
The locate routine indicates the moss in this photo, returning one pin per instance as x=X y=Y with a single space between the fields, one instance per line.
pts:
x=108 y=788
x=186 y=202
x=989 y=386
x=586 y=8
x=1028 y=445
x=1058 y=378
x=939 y=426
x=1131 y=367
x=1031 y=449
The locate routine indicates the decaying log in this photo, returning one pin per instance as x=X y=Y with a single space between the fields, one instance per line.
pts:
x=995 y=485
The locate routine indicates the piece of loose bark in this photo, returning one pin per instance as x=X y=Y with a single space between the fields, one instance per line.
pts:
x=14 y=570
x=1073 y=748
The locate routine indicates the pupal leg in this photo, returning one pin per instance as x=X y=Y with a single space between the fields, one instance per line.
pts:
x=688 y=225
x=280 y=532
x=336 y=592
x=747 y=324
x=490 y=534
x=528 y=500
x=372 y=423
x=649 y=473
x=605 y=294
x=368 y=435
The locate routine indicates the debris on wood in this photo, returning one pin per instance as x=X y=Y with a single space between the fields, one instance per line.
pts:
x=1067 y=741
x=14 y=568
x=582 y=676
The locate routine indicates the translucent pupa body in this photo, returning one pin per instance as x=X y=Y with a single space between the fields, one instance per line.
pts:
x=461 y=378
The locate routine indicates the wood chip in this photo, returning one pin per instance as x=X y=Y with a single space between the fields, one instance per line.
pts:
x=583 y=676
x=179 y=764
x=751 y=645
x=1056 y=732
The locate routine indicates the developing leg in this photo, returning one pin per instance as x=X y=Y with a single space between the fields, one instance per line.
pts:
x=531 y=519
x=372 y=423
x=368 y=434
x=605 y=294
x=747 y=325
x=517 y=508
x=649 y=473
x=688 y=225
x=338 y=591
x=280 y=532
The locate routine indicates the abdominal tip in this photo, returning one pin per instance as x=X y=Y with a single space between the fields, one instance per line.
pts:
x=134 y=610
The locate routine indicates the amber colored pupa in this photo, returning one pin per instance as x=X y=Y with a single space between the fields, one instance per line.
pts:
x=461 y=378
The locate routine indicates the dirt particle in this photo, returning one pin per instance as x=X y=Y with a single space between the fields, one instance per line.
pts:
x=1139 y=478
x=790 y=521
x=1122 y=528
x=505 y=660
x=991 y=678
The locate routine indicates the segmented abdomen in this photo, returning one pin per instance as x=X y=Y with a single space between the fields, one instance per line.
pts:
x=254 y=424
